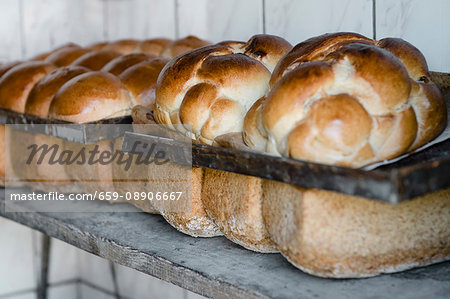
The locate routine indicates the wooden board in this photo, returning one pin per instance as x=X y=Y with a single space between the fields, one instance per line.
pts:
x=215 y=267
x=422 y=173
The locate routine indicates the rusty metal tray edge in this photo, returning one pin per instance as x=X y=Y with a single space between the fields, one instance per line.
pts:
x=75 y=132
x=386 y=184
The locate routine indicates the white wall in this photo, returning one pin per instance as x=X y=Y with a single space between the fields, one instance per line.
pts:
x=20 y=271
x=28 y=27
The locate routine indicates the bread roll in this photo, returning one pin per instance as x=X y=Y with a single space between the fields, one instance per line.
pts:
x=121 y=63
x=90 y=97
x=140 y=79
x=38 y=103
x=343 y=99
x=43 y=56
x=66 y=56
x=209 y=91
x=95 y=60
x=177 y=47
x=124 y=46
x=153 y=46
x=7 y=66
x=85 y=98
x=97 y=46
x=15 y=86
x=334 y=235
x=41 y=95
x=211 y=88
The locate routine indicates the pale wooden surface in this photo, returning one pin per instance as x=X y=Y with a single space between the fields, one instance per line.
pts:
x=215 y=267
x=30 y=27
x=426 y=24
x=218 y=20
x=299 y=20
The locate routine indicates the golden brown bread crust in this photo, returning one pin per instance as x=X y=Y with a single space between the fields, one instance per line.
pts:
x=97 y=46
x=66 y=56
x=7 y=66
x=334 y=235
x=194 y=221
x=140 y=79
x=89 y=97
x=179 y=46
x=410 y=56
x=313 y=49
x=210 y=89
x=268 y=49
x=124 y=46
x=346 y=100
x=16 y=84
x=43 y=56
x=154 y=46
x=121 y=63
x=233 y=202
x=40 y=97
x=95 y=60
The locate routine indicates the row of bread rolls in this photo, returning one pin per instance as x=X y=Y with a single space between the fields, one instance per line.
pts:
x=225 y=90
x=339 y=99
x=78 y=85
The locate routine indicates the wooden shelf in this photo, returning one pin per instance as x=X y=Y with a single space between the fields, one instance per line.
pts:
x=214 y=267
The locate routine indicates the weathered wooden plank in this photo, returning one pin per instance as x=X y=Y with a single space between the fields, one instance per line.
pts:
x=298 y=20
x=421 y=174
x=49 y=23
x=215 y=267
x=11 y=35
x=140 y=19
x=217 y=20
x=425 y=24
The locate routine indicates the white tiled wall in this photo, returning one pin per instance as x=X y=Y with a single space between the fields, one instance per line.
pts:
x=73 y=273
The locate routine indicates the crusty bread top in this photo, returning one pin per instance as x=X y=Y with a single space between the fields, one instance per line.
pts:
x=95 y=60
x=140 y=79
x=177 y=47
x=268 y=49
x=97 y=46
x=153 y=46
x=16 y=84
x=7 y=66
x=43 y=56
x=211 y=88
x=315 y=48
x=123 y=46
x=344 y=99
x=40 y=97
x=90 y=97
x=121 y=63
x=65 y=56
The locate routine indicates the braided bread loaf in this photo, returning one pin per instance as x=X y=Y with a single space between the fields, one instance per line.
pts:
x=210 y=89
x=347 y=100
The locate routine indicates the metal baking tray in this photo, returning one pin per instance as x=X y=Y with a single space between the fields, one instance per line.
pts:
x=84 y=133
